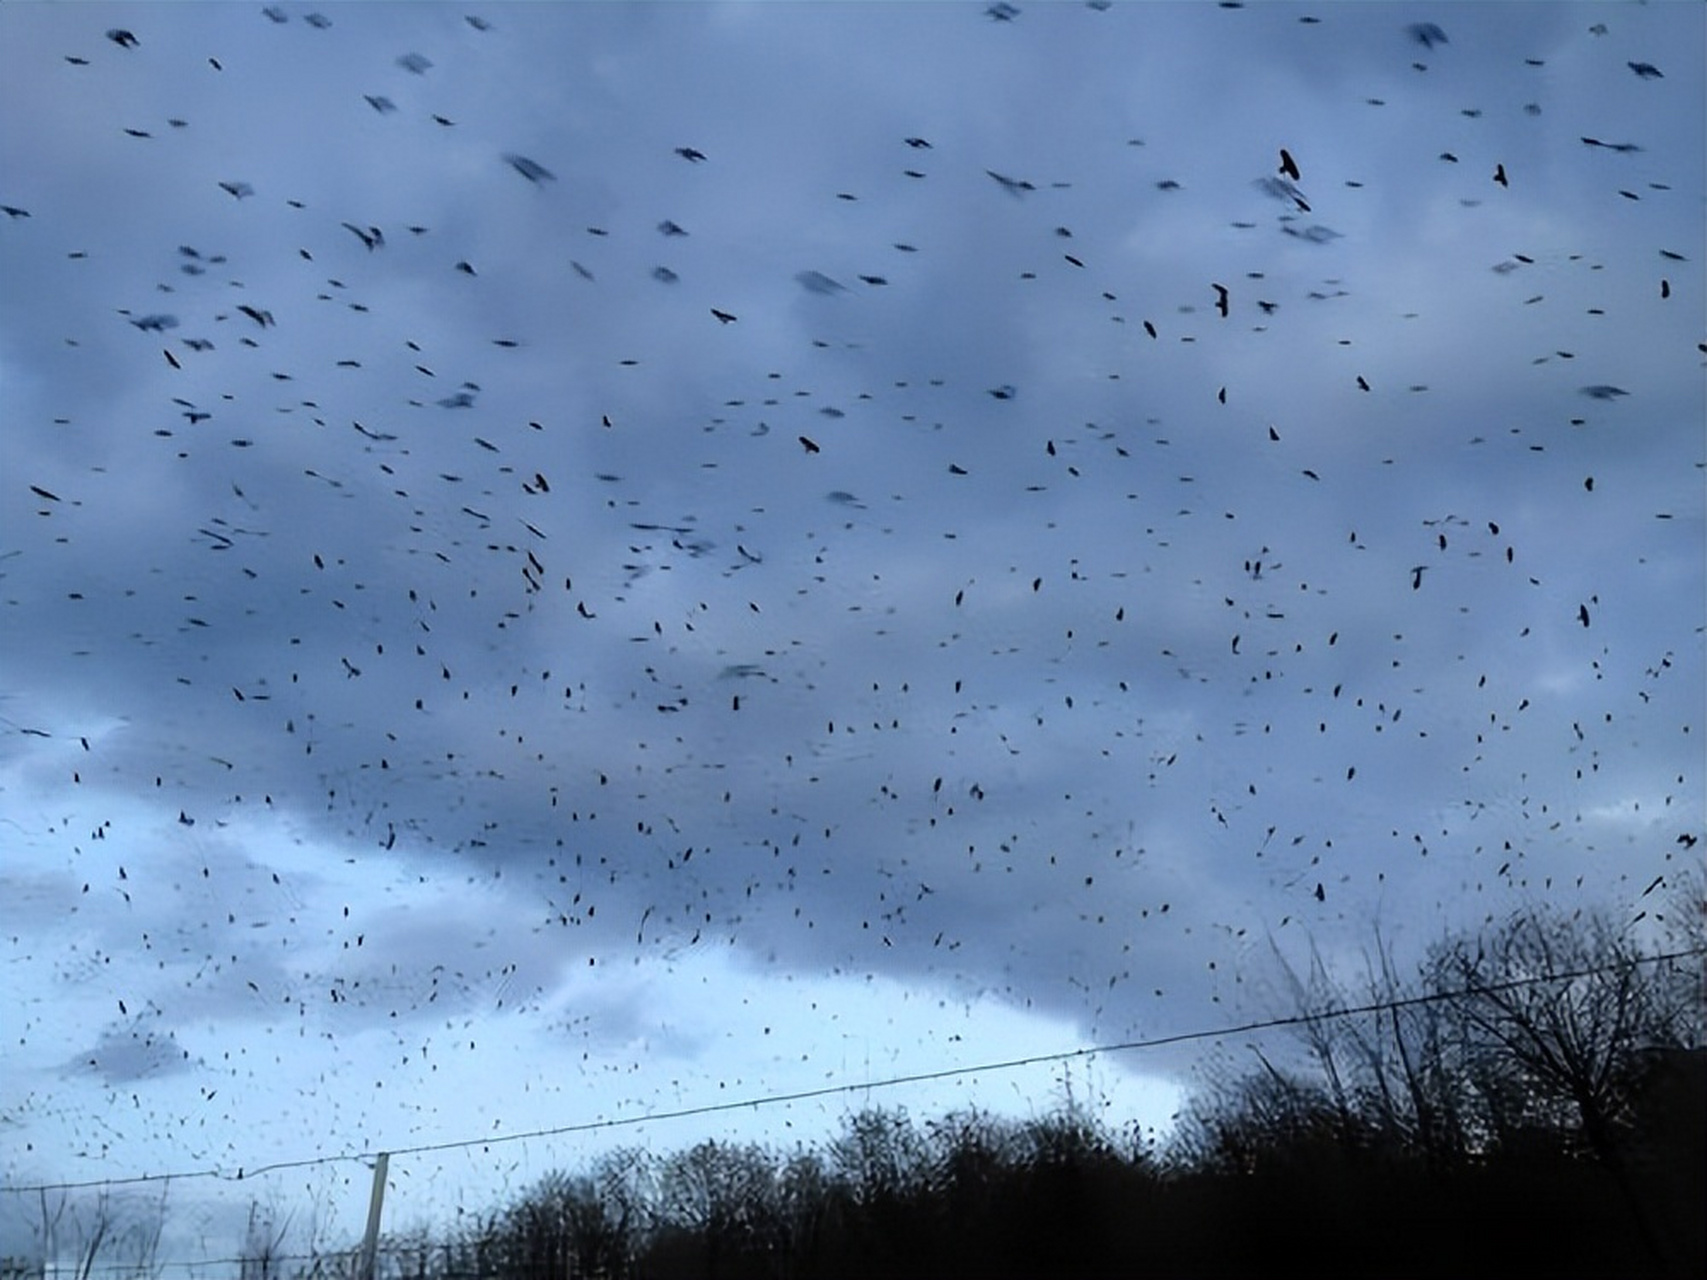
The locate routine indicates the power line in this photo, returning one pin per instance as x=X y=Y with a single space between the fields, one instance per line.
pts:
x=833 y=1090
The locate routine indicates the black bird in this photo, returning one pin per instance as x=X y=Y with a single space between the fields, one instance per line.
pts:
x=529 y=169
x=810 y=445
x=918 y=144
x=1013 y=186
x=691 y=154
x=1427 y=34
x=125 y=40
x=724 y=316
x=373 y=237
x=1288 y=165
x=1221 y=301
x=1644 y=70
x=1499 y=175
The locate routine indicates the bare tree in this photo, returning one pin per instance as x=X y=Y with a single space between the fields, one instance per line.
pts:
x=261 y=1245
x=1556 y=1016
x=103 y=1233
x=727 y=1194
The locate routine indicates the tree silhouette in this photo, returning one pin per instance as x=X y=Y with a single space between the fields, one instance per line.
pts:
x=1531 y=1102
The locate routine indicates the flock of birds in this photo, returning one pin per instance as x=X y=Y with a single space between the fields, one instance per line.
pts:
x=712 y=597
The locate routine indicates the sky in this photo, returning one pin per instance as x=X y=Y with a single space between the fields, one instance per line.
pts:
x=560 y=563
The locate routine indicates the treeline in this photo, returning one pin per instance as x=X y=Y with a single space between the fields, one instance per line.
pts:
x=1533 y=1102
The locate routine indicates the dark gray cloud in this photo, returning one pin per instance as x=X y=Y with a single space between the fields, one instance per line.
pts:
x=446 y=615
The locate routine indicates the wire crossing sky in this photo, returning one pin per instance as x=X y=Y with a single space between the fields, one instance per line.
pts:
x=565 y=561
x=486 y=1143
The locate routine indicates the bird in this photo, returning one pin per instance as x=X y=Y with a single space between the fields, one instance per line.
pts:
x=1289 y=166
x=123 y=38
x=691 y=154
x=372 y=238
x=529 y=169
x=1427 y=34
x=724 y=317
x=1013 y=186
x=1221 y=299
x=1499 y=175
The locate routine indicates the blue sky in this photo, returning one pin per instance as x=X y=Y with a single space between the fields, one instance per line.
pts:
x=478 y=689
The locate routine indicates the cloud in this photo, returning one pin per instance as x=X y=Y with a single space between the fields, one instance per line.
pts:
x=449 y=637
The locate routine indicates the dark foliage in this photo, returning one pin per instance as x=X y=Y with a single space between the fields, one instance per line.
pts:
x=1470 y=1126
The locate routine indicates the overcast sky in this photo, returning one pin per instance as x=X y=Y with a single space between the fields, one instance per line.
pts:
x=588 y=560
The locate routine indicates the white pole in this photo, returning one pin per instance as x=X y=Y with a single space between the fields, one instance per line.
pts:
x=370 y=1243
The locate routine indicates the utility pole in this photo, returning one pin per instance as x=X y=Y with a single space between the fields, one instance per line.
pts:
x=370 y=1243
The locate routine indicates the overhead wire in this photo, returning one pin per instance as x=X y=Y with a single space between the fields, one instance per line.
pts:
x=245 y=1172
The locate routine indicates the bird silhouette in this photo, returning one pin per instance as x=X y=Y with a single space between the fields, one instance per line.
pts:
x=529 y=169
